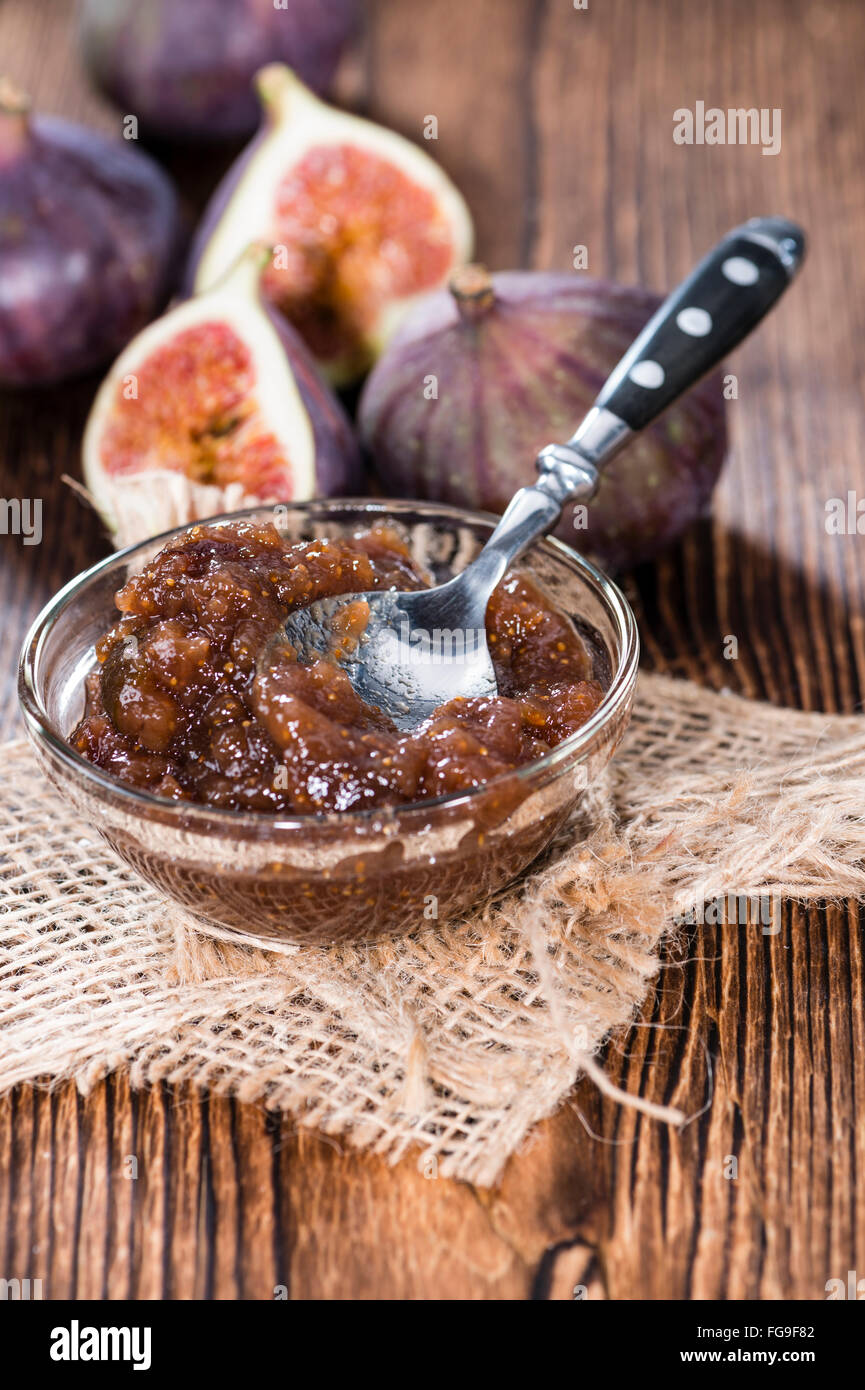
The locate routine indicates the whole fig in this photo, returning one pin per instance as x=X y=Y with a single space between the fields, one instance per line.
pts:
x=89 y=234
x=185 y=67
x=482 y=375
x=214 y=406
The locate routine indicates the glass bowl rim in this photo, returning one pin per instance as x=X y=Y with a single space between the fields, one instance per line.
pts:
x=42 y=729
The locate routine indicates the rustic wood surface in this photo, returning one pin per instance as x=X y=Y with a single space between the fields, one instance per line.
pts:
x=557 y=123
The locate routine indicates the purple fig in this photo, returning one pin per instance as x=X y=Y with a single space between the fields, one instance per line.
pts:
x=212 y=407
x=185 y=67
x=362 y=220
x=89 y=234
x=483 y=375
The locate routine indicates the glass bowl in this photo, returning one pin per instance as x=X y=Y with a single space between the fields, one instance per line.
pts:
x=352 y=875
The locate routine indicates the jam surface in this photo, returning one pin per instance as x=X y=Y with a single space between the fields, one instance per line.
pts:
x=176 y=706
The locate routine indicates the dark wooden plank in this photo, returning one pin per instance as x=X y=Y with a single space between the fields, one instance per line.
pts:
x=558 y=124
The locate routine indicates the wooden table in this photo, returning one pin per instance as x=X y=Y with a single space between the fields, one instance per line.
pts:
x=558 y=125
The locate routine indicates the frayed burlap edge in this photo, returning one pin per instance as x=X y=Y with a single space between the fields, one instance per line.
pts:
x=453 y=1042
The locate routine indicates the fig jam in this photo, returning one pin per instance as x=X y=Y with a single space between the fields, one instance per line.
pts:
x=176 y=706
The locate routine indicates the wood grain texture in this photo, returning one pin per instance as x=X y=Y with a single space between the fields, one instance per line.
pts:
x=557 y=124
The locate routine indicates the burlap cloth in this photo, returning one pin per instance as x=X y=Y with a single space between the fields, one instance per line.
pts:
x=455 y=1041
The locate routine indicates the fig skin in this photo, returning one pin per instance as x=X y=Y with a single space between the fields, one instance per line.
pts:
x=185 y=67
x=89 y=241
x=339 y=470
x=519 y=358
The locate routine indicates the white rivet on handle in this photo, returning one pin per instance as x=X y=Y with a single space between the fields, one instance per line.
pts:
x=695 y=322
x=740 y=271
x=647 y=373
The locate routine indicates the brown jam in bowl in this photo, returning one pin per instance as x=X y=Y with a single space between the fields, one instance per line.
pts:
x=177 y=708
x=281 y=810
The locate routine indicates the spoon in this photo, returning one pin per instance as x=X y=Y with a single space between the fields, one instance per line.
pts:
x=420 y=649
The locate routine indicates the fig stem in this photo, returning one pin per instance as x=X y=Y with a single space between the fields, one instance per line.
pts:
x=472 y=288
x=14 y=120
x=278 y=88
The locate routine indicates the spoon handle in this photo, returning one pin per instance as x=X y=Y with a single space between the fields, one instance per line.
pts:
x=712 y=310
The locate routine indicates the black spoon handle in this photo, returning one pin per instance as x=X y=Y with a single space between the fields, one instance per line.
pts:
x=714 y=309
x=717 y=306
x=709 y=314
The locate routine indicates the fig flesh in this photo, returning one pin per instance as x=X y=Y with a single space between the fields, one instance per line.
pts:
x=362 y=220
x=89 y=232
x=484 y=374
x=213 y=407
x=186 y=69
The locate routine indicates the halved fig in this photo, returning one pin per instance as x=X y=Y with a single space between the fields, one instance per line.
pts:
x=362 y=220
x=215 y=406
